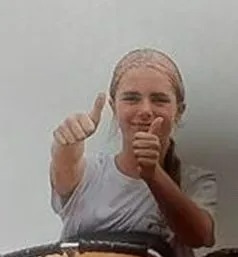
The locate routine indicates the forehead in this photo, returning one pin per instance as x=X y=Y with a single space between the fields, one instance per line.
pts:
x=145 y=78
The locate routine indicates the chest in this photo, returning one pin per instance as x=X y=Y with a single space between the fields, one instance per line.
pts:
x=120 y=206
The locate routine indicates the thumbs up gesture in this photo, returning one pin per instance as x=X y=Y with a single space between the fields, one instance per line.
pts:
x=80 y=126
x=147 y=148
x=67 y=164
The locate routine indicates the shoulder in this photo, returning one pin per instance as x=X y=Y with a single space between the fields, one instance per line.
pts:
x=193 y=176
x=201 y=186
x=91 y=181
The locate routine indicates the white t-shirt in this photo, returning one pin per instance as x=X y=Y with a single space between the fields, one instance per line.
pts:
x=106 y=199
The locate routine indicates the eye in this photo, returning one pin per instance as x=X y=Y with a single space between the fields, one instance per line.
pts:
x=160 y=99
x=131 y=98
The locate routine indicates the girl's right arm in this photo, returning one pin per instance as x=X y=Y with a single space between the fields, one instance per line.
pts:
x=67 y=153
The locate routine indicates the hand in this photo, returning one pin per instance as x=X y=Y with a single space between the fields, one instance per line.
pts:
x=80 y=126
x=147 y=148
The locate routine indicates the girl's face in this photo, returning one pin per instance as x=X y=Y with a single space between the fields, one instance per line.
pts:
x=142 y=95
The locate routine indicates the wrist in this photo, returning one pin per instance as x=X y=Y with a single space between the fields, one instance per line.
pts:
x=151 y=177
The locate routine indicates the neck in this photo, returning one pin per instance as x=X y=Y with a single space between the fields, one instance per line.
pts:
x=126 y=161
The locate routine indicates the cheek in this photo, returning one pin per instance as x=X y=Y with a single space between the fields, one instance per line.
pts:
x=123 y=115
x=169 y=117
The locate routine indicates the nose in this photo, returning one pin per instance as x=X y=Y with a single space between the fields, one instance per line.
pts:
x=146 y=109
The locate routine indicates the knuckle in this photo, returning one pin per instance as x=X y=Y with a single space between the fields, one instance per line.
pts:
x=57 y=137
x=79 y=116
x=71 y=119
x=156 y=155
x=134 y=143
x=55 y=134
x=90 y=127
x=61 y=127
x=157 y=147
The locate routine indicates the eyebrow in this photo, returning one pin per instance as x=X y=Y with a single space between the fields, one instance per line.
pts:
x=130 y=93
x=159 y=94
x=135 y=93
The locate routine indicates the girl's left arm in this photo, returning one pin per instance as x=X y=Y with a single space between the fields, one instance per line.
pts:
x=193 y=225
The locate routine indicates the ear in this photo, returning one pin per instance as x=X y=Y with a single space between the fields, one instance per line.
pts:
x=180 y=111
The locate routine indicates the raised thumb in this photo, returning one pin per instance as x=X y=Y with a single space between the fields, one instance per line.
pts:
x=99 y=103
x=155 y=126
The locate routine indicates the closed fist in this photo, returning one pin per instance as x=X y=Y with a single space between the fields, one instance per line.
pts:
x=147 y=148
x=79 y=126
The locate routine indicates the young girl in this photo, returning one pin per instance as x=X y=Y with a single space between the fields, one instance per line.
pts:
x=143 y=187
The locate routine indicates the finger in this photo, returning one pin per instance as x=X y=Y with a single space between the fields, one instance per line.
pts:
x=99 y=103
x=144 y=135
x=67 y=134
x=142 y=153
x=145 y=144
x=59 y=138
x=155 y=127
x=146 y=162
x=86 y=124
x=75 y=128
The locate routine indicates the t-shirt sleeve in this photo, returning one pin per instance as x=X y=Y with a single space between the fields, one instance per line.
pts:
x=201 y=186
x=62 y=207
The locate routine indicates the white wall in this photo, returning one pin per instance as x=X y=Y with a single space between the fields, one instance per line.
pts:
x=56 y=55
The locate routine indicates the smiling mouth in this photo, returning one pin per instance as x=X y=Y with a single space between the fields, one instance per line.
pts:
x=141 y=127
x=141 y=124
